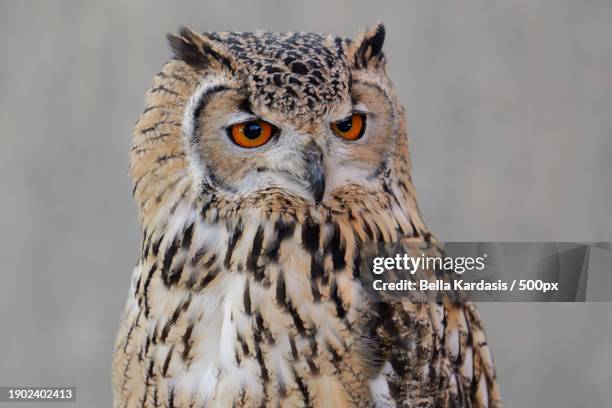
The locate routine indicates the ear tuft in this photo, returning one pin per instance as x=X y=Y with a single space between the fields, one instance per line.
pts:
x=186 y=49
x=366 y=50
x=197 y=50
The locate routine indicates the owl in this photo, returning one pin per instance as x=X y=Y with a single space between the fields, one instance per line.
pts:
x=262 y=164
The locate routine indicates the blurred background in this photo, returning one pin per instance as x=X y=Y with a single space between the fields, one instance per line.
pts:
x=508 y=104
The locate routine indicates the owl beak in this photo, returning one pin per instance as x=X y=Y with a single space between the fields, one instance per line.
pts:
x=315 y=171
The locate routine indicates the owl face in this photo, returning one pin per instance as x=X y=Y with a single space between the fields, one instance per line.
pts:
x=301 y=114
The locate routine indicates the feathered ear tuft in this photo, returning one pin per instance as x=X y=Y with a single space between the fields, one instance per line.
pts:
x=366 y=50
x=198 y=50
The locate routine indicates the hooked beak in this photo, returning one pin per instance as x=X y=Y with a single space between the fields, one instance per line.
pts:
x=315 y=171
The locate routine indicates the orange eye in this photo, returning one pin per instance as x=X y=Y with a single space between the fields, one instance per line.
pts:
x=251 y=134
x=351 y=128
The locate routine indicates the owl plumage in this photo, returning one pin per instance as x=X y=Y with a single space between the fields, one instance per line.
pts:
x=248 y=290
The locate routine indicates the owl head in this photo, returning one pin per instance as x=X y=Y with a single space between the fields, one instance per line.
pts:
x=242 y=115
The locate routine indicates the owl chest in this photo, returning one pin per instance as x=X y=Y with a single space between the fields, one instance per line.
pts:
x=264 y=332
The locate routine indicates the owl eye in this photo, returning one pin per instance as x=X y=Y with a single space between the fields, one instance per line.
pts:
x=351 y=128
x=251 y=134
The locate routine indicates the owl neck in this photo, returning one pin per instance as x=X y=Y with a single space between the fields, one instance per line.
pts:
x=197 y=237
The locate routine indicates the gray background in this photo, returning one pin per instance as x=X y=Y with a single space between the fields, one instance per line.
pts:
x=511 y=136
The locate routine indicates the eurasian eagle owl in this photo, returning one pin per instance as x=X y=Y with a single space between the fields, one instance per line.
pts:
x=261 y=165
